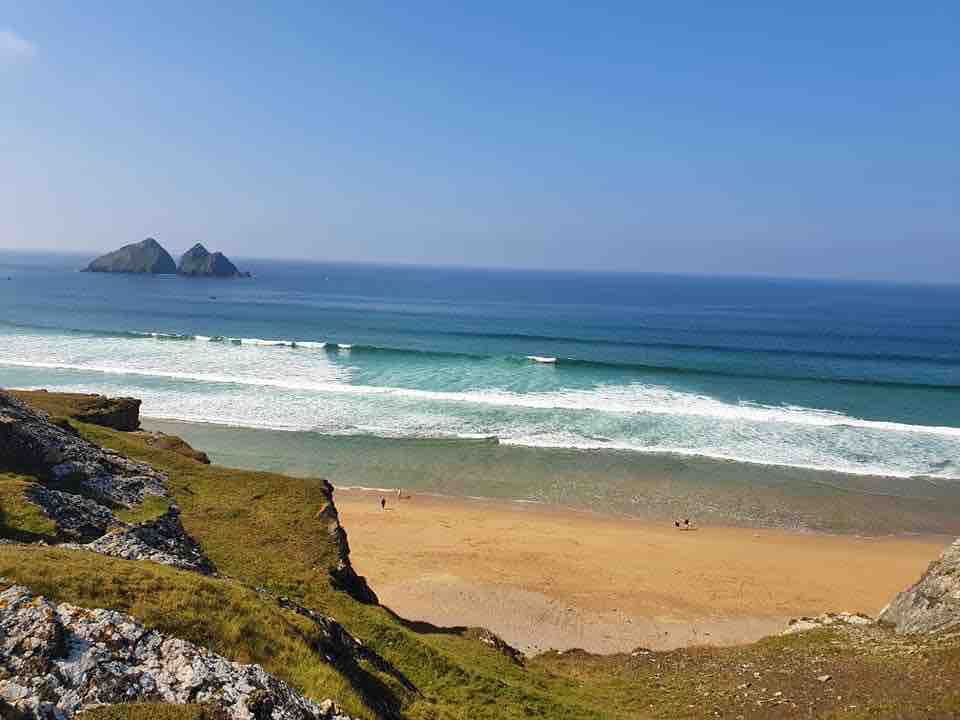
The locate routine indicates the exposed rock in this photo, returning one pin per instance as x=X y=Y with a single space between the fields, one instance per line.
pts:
x=147 y=256
x=30 y=442
x=76 y=517
x=56 y=660
x=343 y=575
x=496 y=642
x=932 y=604
x=200 y=262
x=163 y=541
x=119 y=413
x=803 y=624
x=345 y=652
x=174 y=444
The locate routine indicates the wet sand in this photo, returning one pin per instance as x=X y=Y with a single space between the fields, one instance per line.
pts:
x=544 y=577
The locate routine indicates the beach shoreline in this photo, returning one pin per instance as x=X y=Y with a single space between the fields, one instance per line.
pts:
x=650 y=487
x=551 y=578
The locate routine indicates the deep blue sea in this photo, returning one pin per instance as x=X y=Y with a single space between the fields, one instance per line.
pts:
x=851 y=377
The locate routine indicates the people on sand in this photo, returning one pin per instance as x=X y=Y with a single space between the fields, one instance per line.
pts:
x=683 y=525
x=383 y=503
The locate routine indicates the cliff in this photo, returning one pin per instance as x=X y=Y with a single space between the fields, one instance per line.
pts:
x=199 y=262
x=147 y=256
x=119 y=413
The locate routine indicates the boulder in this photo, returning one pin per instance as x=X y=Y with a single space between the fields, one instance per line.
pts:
x=200 y=262
x=932 y=604
x=56 y=660
x=147 y=256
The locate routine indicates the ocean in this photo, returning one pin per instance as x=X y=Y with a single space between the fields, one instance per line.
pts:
x=847 y=378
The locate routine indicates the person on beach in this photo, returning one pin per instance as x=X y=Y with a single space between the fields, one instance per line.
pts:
x=383 y=503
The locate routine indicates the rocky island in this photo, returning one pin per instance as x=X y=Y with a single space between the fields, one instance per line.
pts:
x=147 y=256
x=200 y=262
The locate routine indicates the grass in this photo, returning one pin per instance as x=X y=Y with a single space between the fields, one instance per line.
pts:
x=21 y=520
x=268 y=530
x=222 y=615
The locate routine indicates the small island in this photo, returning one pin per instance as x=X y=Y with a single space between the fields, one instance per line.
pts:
x=200 y=262
x=149 y=257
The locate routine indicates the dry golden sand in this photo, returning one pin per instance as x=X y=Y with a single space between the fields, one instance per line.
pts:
x=546 y=577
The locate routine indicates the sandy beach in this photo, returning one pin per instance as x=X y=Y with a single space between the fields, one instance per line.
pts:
x=545 y=577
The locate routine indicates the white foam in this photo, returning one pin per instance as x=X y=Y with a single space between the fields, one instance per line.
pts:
x=634 y=399
x=344 y=346
x=542 y=359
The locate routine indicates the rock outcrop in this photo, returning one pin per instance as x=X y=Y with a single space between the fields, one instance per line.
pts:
x=147 y=256
x=932 y=605
x=58 y=659
x=798 y=625
x=119 y=413
x=88 y=482
x=200 y=262
x=162 y=540
x=31 y=443
x=344 y=577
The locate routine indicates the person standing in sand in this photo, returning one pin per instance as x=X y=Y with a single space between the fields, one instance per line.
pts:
x=383 y=503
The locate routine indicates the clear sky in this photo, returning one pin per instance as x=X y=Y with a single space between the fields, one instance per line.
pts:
x=817 y=138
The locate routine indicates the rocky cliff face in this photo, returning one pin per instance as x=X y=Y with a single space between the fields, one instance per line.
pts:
x=85 y=483
x=147 y=256
x=199 y=262
x=931 y=605
x=119 y=413
x=57 y=659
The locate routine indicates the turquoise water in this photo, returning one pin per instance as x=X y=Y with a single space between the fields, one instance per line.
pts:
x=843 y=377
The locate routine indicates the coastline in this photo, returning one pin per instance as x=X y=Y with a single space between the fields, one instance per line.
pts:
x=649 y=487
x=546 y=577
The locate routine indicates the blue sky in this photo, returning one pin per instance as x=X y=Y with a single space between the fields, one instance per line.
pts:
x=696 y=137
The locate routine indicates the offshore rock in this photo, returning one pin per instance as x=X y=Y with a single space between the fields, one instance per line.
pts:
x=932 y=604
x=57 y=660
x=200 y=262
x=147 y=256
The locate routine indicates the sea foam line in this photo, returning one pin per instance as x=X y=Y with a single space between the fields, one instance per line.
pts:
x=539 y=442
x=634 y=399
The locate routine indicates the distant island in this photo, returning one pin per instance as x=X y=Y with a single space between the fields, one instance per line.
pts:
x=200 y=262
x=149 y=257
